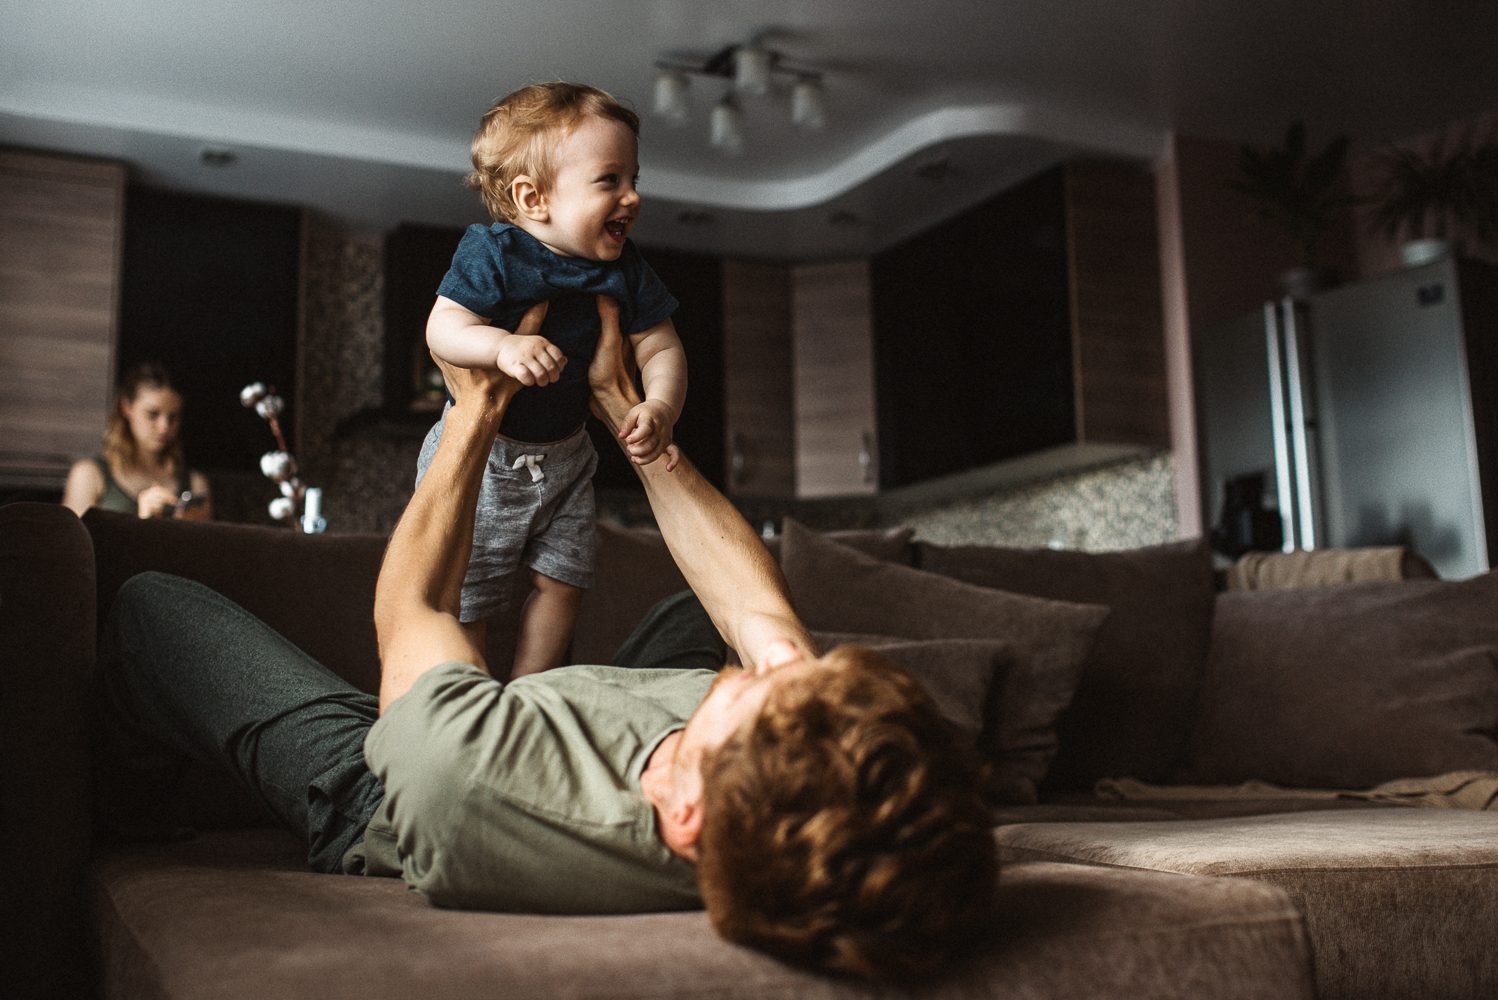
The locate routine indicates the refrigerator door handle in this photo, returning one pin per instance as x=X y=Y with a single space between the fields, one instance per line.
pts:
x=1298 y=429
x=1282 y=474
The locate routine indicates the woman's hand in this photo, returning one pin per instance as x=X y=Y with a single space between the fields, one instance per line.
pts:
x=154 y=499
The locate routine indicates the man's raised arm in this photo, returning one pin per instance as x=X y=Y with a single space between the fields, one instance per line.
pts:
x=421 y=579
x=722 y=558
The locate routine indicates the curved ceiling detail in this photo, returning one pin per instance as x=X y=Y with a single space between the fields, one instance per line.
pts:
x=209 y=124
x=1018 y=120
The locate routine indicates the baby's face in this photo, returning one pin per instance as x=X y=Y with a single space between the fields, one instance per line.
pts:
x=592 y=204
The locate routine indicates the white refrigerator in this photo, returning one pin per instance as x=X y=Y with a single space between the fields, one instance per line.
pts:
x=1371 y=410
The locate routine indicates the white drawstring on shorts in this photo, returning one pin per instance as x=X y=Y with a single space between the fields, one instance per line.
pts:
x=532 y=462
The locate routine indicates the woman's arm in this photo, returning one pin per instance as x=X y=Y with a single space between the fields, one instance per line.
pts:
x=84 y=487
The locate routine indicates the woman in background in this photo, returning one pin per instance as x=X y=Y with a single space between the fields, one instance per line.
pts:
x=141 y=470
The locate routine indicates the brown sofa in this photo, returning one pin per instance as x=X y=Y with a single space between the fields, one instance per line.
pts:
x=1068 y=667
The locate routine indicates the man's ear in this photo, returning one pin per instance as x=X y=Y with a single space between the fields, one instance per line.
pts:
x=681 y=827
x=529 y=199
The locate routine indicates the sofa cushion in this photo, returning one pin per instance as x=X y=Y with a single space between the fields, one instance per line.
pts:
x=1133 y=709
x=238 y=916
x=890 y=544
x=957 y=673
x=1398 y=902
x=632 y=570
x=1351 y=685
x=837 y=589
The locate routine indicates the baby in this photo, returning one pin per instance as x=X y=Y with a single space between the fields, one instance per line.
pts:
x=556 y=164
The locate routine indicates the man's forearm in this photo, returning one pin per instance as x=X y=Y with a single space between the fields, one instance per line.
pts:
x=724 y=561
x=421 y=579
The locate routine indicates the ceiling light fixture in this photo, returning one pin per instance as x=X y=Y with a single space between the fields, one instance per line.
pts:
x=727 y=132
x=750 y=71
x=671 y=96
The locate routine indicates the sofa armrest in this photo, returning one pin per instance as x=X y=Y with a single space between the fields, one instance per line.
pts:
x=46 y=669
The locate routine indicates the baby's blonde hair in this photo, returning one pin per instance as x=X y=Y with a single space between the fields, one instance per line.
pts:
x=519 y=134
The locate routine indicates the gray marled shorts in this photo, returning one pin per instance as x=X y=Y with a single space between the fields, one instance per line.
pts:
x=545 y=523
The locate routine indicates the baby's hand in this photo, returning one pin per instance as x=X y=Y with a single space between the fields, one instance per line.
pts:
x=647 y=434
x=531 y=360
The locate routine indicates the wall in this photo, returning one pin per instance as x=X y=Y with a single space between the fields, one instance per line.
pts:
x=366 y=472
x=1216 y=261
x=1377 y=254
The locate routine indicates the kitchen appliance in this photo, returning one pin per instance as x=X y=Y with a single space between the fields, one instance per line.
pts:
x=1371 y=410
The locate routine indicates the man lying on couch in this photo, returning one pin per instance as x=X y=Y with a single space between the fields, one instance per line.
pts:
x=818 y=806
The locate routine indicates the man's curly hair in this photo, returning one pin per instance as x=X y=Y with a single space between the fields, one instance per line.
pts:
x=520 y=132
x=844 y=828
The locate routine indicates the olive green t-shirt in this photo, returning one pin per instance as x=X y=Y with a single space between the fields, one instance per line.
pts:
x=525 y=797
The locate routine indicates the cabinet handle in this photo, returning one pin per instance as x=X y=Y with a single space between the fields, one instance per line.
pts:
x=866 y=457
x=738 y=462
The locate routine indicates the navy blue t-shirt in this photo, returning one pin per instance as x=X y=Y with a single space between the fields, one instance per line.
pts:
x=500 y=271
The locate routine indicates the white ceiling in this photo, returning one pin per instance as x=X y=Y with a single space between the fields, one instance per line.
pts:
x=363 y=108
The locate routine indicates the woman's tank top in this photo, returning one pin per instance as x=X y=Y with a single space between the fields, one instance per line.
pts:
x=114 y=496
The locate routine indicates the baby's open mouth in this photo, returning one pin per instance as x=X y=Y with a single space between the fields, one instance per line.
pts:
x=617 y=228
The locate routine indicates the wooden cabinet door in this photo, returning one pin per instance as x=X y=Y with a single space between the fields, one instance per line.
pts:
x=61 y=222
x=836 y=447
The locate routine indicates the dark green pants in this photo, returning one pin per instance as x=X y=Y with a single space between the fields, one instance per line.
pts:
x=186 y=674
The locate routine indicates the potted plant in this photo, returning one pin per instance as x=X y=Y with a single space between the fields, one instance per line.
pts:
x=1302 y=193
x=1436 y=194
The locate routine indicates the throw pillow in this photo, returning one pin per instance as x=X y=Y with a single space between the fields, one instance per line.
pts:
x=1351 y=685
x=837 y=589
x=1135 y=704
x=889 y=544
x=956 y=673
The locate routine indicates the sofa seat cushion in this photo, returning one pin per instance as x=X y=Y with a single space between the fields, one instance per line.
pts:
x=1398 y=902
x=236 y=915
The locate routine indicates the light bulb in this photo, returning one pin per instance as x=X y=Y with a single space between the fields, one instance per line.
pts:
x=727 y=134
x=751 y=70
x=808 y=108
x=671 y=96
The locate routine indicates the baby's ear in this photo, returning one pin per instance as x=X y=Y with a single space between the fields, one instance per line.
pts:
x=529 y=199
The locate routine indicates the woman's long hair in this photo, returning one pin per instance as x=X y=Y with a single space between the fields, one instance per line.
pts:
x=120 y=448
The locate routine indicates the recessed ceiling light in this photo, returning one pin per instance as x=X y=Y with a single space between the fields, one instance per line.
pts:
x=217 y=156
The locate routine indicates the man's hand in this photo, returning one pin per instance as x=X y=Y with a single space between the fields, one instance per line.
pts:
x=490 y=387
x=611 y=377
x=647 y=433
x=532 y=360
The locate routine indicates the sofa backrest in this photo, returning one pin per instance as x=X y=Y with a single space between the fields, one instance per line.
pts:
x=316 y=590
x=1134 y=705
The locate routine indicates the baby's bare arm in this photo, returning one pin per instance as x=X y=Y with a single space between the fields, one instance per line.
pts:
x=663 y=366
x=649 y=428
x=468 y=340
x=461 y=337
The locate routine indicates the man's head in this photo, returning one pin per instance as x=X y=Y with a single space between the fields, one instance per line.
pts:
x=560 y=160
x=842 y=826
